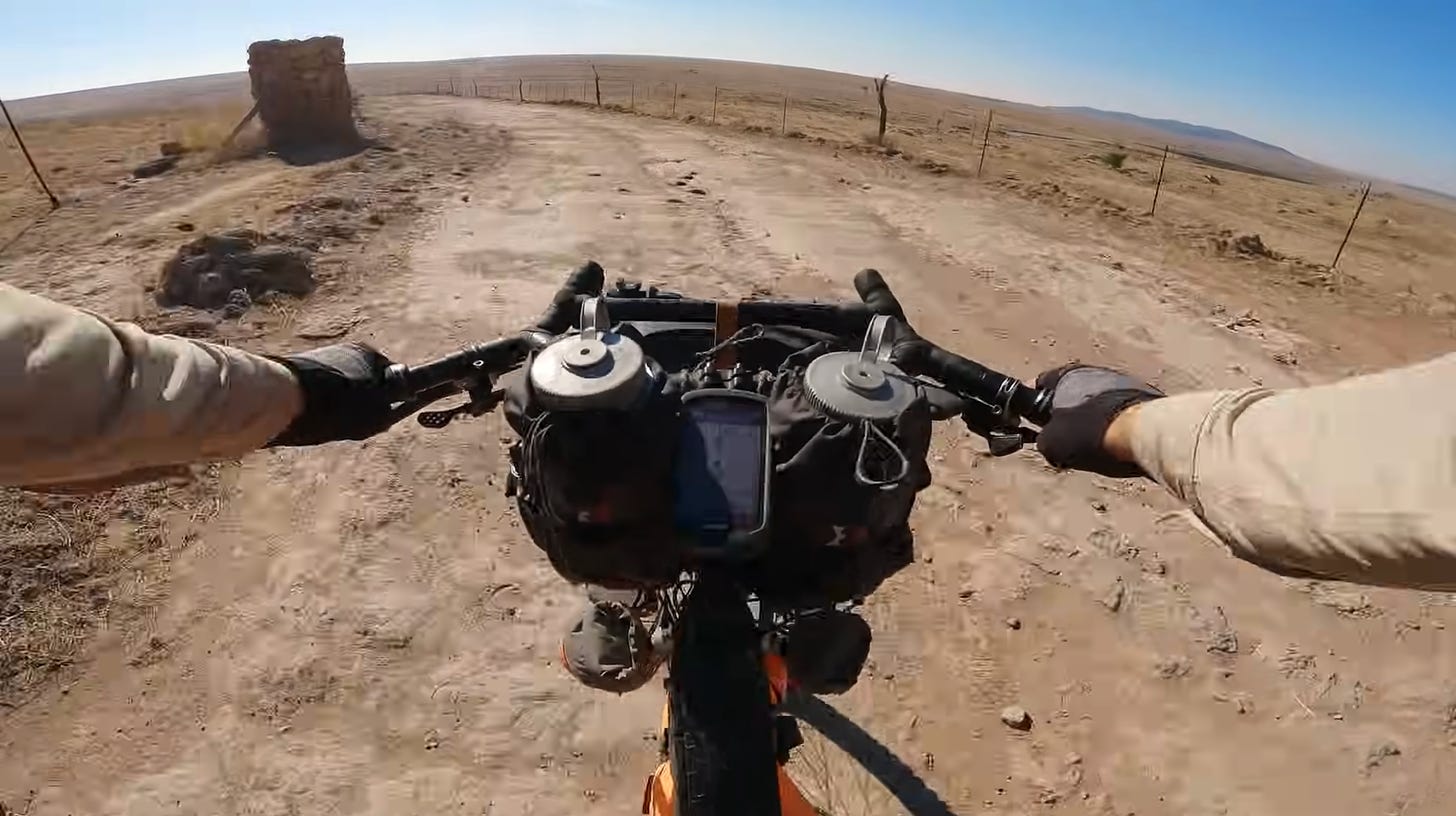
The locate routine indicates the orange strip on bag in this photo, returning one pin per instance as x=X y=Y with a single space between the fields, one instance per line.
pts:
x=725 y=325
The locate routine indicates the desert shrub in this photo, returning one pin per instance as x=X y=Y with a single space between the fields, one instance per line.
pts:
x=1113 y=159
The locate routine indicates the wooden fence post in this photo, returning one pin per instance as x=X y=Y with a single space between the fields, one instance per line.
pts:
x=784 y=123
x=634 y=96
x=520 y=94
x=985 y=141
x=714 y=120
x=475 y=88
x=55 y=202
x=1351 y=228
x=1159 y=188
x=674 y=100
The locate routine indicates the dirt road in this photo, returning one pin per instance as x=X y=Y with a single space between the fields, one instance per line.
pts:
x=364 y=628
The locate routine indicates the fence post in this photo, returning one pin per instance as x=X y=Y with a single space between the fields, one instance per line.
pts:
x=1159 y=188
x=634 y=96
x=1351 y=228
x=55 y=202
x=985 y=141
x=674 y=100
x=714 y=120
x=475 y=88
x=784 y=123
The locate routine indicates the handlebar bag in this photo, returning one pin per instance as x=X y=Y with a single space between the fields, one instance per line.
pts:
x=834 y=538
x=594 y=488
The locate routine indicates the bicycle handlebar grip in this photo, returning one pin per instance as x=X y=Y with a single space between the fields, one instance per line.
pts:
x=877 y=295
x=586 y=281
x=970 y=378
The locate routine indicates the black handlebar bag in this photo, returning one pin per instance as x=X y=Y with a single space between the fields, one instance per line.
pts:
x=595 y=488
x=834 y=537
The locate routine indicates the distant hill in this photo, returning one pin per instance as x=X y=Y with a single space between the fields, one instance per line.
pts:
x=1176 y=128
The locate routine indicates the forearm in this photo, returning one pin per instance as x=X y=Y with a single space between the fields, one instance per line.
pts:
x=1352 y=480
x=86 y=399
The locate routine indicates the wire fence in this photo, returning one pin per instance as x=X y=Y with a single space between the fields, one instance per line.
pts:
x=999 y=146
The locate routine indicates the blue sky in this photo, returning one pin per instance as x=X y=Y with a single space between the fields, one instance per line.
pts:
x=1367 y=86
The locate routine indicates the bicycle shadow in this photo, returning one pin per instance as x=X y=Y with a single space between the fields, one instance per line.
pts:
x=880 y=762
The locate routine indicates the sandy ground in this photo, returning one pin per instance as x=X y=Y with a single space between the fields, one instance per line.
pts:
x=364 y=628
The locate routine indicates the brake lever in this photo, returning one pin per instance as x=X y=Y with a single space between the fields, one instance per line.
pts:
x=1004 y=435
x=475 y=407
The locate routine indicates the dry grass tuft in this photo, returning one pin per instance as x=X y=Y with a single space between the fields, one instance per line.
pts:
x=69 y=565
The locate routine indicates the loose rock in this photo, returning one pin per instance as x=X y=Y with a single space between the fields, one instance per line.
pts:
x=1016 y=717
x=238 y=303
x=155 y=167
x=1113 y=599
x=1013 y=623
x=1379 y=752
x=1171 y=668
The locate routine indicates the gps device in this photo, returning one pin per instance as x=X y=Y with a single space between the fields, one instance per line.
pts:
x=721 y=472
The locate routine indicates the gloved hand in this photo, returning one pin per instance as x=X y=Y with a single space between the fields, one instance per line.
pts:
x=565 y=308
x=911 y=353
x=1085 y=401
x=344 y=395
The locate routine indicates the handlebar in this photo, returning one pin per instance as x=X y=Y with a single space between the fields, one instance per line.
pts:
x=967 y=378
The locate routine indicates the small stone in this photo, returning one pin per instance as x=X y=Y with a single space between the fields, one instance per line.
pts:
x=185 y=226
x=1379 y=752
x=465 y=197
x=1172 y=668
x=967 y=593
x=1100 y=506
x=238 y=303
x=1016 y=717
x=1013 y=623
x=284 y=729
x=1115 y=594
x=432 y=741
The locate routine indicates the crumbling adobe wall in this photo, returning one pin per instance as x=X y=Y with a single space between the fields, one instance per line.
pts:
x=302 y=92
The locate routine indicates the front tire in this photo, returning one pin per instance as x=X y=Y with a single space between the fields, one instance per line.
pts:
x=720 y=722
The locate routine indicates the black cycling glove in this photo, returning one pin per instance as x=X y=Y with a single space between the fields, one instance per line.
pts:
x=565 y=308
x=344 y=395
x=1085 y=401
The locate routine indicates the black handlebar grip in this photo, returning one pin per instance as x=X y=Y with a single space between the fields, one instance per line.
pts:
x=877 y=295
x=586 y=281
x=971 y=379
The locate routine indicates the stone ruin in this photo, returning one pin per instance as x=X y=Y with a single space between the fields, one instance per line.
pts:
x=302 y=93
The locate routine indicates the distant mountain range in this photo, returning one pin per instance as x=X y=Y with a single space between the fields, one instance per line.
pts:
x=1177 y=128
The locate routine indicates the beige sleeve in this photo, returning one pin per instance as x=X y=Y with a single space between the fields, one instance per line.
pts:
x=83 y=399
x=1355 y=480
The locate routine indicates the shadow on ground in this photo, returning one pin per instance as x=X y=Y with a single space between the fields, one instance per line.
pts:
x=880 y=762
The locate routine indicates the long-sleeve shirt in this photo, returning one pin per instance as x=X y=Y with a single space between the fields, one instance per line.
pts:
x=83 y=399
x=1354 y=480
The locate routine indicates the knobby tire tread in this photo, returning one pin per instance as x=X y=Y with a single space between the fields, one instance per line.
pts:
x=721 y=733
